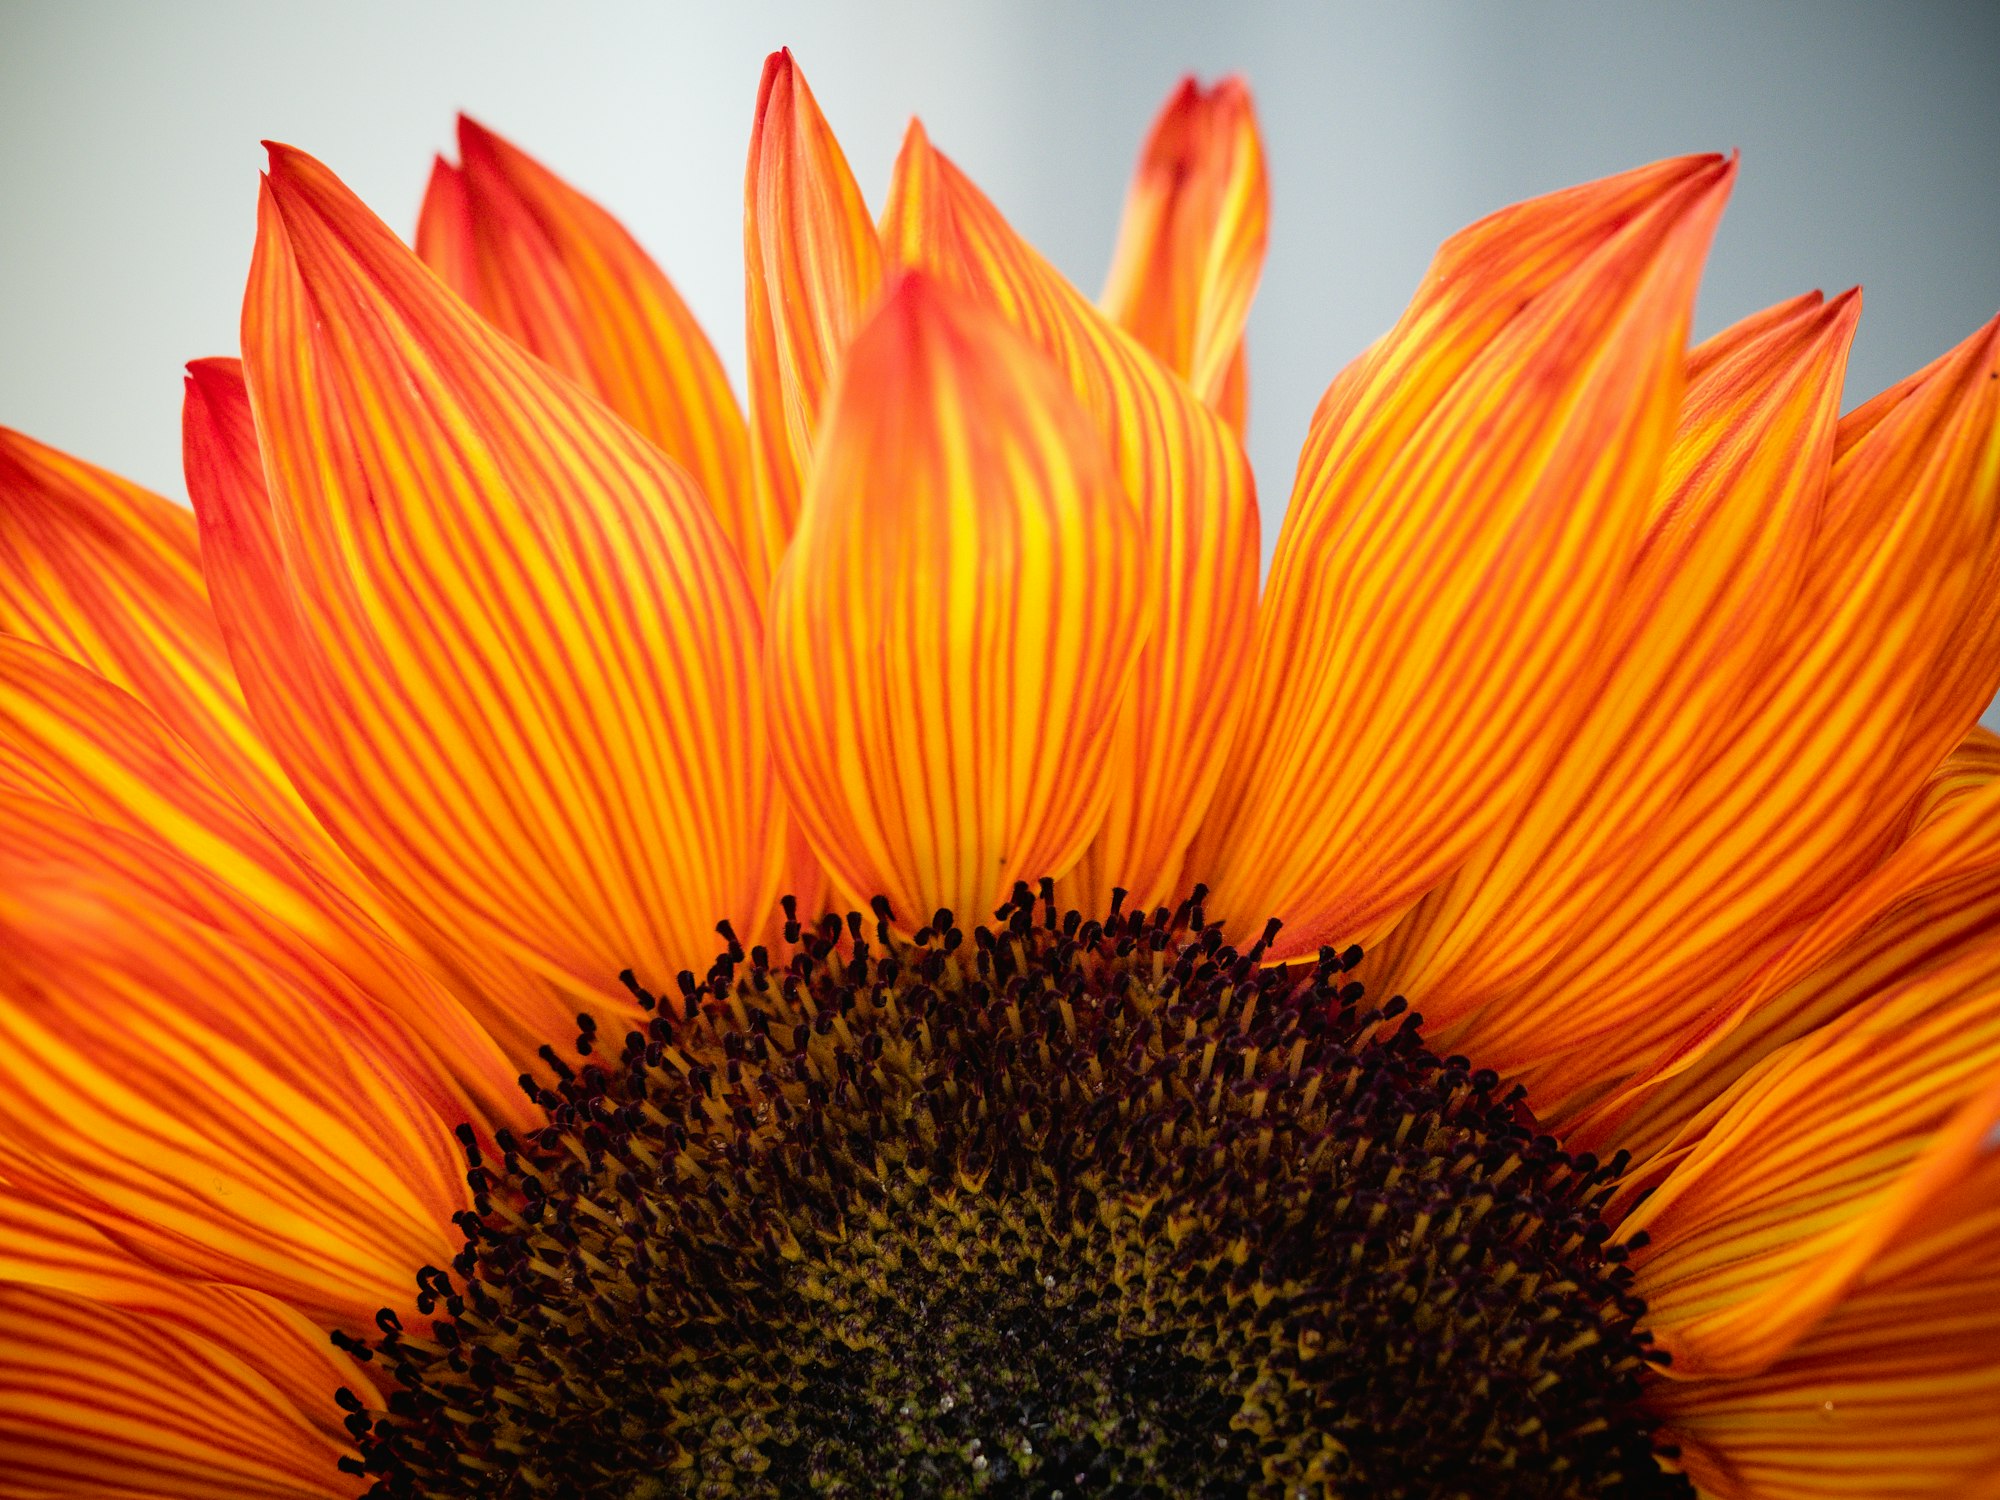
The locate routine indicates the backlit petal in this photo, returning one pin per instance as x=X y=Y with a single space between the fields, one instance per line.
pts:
x=1468 y=507
x=109 y=575
x=559 y=275
x=201 y=1097
x=1885 y=658
x=1818 y=1159
x=1895 y=1397
x=1185 y=472
x=958 y=618
x=1691 y=630
x=133 y=795
x=496 y=638
x=812 y=269
x=100 y=1403
x=1192 y=241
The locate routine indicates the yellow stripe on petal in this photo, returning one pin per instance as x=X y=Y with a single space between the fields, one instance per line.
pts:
x=109 y=575
x=1191 y=244
x=1880 y=664
x=207 y=1100
x=58 y=1251
x=954 y=629
x=558 y=274
x=1725 y=547
x=99 y=1403
x=1817 y=1159
x=1896 y=1396
x=129 y=794
x=812 y=269
x=1465 y=516
x=1184 y=470
x=497 y=639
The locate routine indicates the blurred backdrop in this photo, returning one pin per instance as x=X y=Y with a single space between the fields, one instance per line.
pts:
x=129 y=131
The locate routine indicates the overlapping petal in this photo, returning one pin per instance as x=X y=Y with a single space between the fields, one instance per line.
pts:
x=202 y=1097
x=812 y=269
x=1723 y=554
x=1884 y=660
x=1896 y=1396
x=1817 y=1159
x=102 y=1403
x=495 y=637
x=558 y=274
x=957 y=622
x=1452 y=559
x=109 y=575
x=1191 y=244
x=1185 y=472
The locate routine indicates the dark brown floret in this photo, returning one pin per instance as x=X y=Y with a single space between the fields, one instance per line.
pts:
x=1059 y=1208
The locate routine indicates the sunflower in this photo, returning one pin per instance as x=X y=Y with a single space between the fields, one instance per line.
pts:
x=561 y=942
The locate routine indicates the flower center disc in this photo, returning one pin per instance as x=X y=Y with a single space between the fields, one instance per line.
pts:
x=1076 y=1208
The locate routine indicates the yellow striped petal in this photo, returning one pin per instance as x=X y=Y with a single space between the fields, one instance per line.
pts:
x=100 y=1403
x=1191 y=244
x=957 y=621
x=1895 y=1397
x=1725 y=548
x=1884 y=659
x=56 y=1251
x=133 y=796
x=1467 y=508
x=1184 y=470
x=109 y=575
x=1818 y=1158
x=496 y=638
x=206 y=1099
x=564 y=279
x=812 y=270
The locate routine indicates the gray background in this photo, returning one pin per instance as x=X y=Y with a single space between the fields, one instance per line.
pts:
x=128 y=153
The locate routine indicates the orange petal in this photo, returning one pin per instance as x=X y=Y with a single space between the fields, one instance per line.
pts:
x=1185 y=472
x=496 y=638
x=1732 y=528
x=1931 y=901
x=1462 y=524
x=131 y=794
x=1879 y=665
x=559 y=275
x=100 y=1403
x=56 y=1251
x=957 y=620
x=1817 y=1160
x=1192 y=242
x=205 y=1100
x=812 y=269
x=1895 y=1397
x=109 y=575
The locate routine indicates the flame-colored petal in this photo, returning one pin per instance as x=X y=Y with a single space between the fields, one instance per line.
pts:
x=957 y=621
x=558 y=274
x=204 y=1098
x=1882 y=662
x=109 y=574
x=1191 y=245
x=1930 y=902
x=101 y=1403
x=495 y=637
x=1817 y=1159
x=1895 y=1397
x=143 y=801
x=1467 y=508
x=1185 y=472
x=1691 y=631
x=57 y=1251
x=812 y=270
